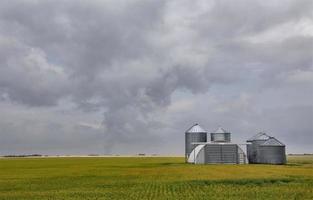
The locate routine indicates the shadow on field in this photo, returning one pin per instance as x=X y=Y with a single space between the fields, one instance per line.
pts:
x=170 y=164
x=251 y=182
x=294 y=164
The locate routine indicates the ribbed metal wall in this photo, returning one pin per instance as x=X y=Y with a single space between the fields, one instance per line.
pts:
x=221 y=153
x=213 y=154
x=249 y=153
x=272 y=154
x=253 y=151
x=191 y=138
x=230 y=153
x=220 y=137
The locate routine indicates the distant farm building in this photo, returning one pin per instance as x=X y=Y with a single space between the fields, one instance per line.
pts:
x=260 y=148
x=218 y=150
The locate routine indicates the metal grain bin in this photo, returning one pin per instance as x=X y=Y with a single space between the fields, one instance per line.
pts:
x=220 y=135
x=194 y=134
x=272 y=151
x=253 y=149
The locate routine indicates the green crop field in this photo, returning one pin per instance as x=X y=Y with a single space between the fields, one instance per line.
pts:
x=152 y=178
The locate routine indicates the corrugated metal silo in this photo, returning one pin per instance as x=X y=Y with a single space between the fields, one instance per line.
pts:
x=272 y=151
x=194 y=134
x=220 y=135
x=253 y=148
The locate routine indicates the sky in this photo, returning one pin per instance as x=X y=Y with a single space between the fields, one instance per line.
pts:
x=131 y=76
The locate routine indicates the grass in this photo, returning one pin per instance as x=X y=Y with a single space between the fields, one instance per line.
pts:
x=151 y=178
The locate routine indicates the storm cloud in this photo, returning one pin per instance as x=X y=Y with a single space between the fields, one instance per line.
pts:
x=126 y=77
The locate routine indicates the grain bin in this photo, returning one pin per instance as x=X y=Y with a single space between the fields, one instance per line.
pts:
x=253 y=146
x=264 y=149
x=272 y=151
x=220 y=135
x=194 y=134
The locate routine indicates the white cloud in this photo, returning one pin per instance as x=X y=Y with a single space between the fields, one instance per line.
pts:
x=301 y=27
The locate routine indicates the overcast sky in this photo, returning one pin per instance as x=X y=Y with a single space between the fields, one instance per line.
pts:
x=125 y=77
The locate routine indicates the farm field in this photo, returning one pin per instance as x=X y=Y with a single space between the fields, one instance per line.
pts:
x=151 y=178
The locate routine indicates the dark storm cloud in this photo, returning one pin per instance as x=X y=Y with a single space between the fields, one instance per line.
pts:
x=144 y=65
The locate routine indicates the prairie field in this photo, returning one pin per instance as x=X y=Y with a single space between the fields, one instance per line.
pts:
x=151 y=178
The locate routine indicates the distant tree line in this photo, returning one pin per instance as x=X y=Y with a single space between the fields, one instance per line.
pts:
x=24 y=155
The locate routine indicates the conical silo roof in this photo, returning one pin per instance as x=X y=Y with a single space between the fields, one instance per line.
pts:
x=196 y=128
x=220 y=130
x=259 y=136
x=272 y=142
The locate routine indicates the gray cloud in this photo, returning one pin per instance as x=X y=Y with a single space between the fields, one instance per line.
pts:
x=129 y=77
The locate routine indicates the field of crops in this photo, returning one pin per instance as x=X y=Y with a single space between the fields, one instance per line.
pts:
x=151 y=178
